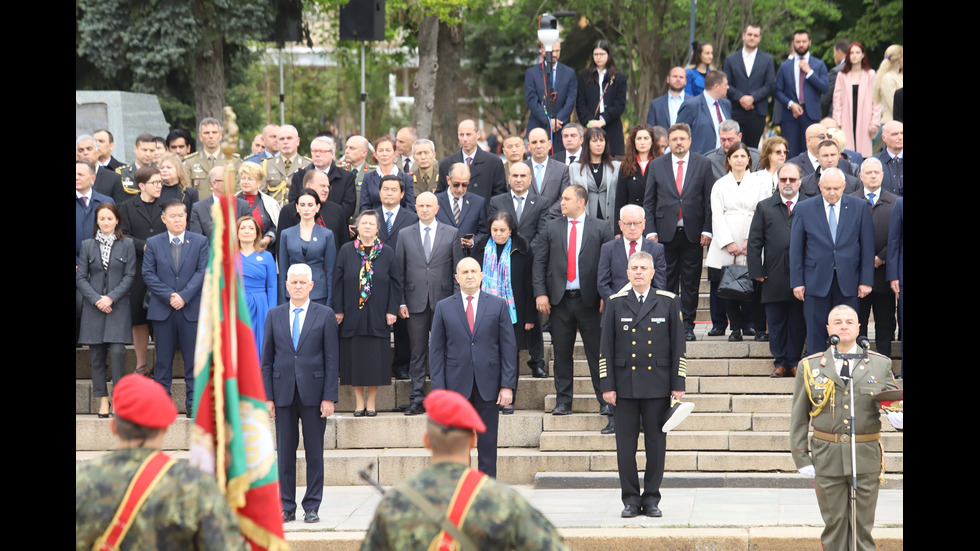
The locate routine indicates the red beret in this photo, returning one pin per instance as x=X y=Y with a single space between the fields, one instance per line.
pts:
x=143 y=401
x=450 y=410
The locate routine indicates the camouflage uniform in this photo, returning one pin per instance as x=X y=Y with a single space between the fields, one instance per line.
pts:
x=499 y=517
x=184 y=511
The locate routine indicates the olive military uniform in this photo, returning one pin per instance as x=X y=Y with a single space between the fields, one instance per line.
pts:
x=818 y=382
x=184 y=511
x=278 y=176
x=199 y=165
x=498 y=518
x=642 y=358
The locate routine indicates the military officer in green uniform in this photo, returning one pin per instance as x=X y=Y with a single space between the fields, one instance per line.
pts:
x=200 y=163
x=642 y=364
x=144 y=150
x=451 y=506
x=279 y=170
x=821 y=399
x=182 y=508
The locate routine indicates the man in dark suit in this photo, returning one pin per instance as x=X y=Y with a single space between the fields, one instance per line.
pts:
x=831 y=254
x=828 y=153
x=706 y=111
x=572 y=138
x=799 y=83
x=342 y=184
x=426 y=258
x=752 y=79
x=300 y=373
x=881 y=298
x=549 y=177
x=663 y=110
x=642 y=364
x=462 y=210
x=892 y=157
x=768 y=261
x=86 y=200
x=201 y=221
x=827 y=99
x=614 y=255
x=392 y=218
x=106 y=144
x=473 y=352
x=486 y=171
x=173 y=269
x=895 y=266
x=677 y=203
x=107 y=182
x=564 y=279
x=565 y=89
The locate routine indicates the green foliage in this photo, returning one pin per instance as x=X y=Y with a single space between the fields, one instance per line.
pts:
x=875 y=23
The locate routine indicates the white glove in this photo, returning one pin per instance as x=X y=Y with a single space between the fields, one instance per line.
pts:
x=808 y=471
x=897 y=419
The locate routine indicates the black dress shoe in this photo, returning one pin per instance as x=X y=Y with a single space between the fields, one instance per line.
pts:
x=716 y=332
x=606 y=409
x=190 y=413
x=310 y=517
x=748 y=332
x=371 y=413
x=507 y=410
x=630 y=511
x=762 y=337
x=288 y=516
x=415 y=408
x=359 y=413
x=736 y=336
x=402 y=376
x=689 y=336
x=538 y=372
x=652 y=511
x=610 y=428
x=561 y=409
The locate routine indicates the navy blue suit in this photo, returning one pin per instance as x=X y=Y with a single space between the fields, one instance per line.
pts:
x=472 y=214
x=696 y=113
x=566 y=90
x=613 y=264
x=321 y=255
x=371 y=191
x=659 y=113
x=794 y=130
x=831 y=271
x=893 y=172
x=475 y=364
x=895 y=264
x=297 y=380
x=173 y=328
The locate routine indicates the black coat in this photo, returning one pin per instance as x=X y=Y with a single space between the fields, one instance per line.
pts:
x=629 y=191
x=881 y=215
x=769 y=238
x=386 y=293
x=331 y=216
x=520 y=280
x=614 y=99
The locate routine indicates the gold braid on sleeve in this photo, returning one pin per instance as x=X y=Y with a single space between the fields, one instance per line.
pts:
x=810 y=382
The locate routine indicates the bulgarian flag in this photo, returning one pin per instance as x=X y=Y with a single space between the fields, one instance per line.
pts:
x=231 y=436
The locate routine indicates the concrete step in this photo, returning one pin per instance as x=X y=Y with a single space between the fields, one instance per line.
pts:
x=583 y=422
x=678 y=479
x=707 y=461
x=703 y=403
x=688 y=440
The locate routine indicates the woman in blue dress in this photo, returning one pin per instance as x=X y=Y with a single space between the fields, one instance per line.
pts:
x=258 y=275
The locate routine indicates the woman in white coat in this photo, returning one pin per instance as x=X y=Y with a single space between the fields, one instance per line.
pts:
x=597 y=172
x=733 y=200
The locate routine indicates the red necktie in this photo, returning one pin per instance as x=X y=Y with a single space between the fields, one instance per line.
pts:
x=789 y=206
x=469 y=312
x=679 y=180
x=572 y=244
x=632 y=247
x=718 y=111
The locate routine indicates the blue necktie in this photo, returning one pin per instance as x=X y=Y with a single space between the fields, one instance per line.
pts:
x=388 y=222
x=296 y=329
x=833 y=225
x=871 y=199
x=538 y=176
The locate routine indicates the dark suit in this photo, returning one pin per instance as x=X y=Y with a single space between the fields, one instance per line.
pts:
x=371 y=191
x=107 y=182
x=703 y=121
x=175 y=328
x=554 y=180
x=297 y=380
x=881 y=298
x=426 y=282
x=760 y=85
x=331 y=216
x=806 y=167
x=659 y=113
x=85 y=218
x=613 y=93
x=830 y=270
x=664 y=206
x=613 y=264
x=320 y=255
x=642 y=361
x=810 y=185
x=533 y=216
x=629 y=191
x=475 y=364
x=343 y=188
x=472 y=214
x=487 y=176
x=565 y=89
x=895 y=265
x=893 y=172
x=717 y=159
x=794 y=130
x=571 y=310
x=403 y=218
x=768 y=257
x=200 y=216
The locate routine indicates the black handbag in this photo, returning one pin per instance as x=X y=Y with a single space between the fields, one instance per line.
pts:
x=735 y=283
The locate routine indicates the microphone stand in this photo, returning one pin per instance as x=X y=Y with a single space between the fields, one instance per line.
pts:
x=863 y=355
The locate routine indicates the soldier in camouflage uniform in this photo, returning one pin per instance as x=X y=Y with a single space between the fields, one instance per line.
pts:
x=183 y=510
x=497 y=517
x=821 y=399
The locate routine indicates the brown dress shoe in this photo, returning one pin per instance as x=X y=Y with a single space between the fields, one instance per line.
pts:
x=780 y=371
x=792 y=371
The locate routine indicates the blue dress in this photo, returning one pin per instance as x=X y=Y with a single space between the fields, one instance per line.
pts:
x=260 y=280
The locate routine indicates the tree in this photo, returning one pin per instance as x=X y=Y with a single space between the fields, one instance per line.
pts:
x=157 y=37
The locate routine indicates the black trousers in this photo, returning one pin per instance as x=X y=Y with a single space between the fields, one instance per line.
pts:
x=628 y=414
x=419 y=326
x=567 y=316
x=787 y=332
x=883 y=304
x=684 y=261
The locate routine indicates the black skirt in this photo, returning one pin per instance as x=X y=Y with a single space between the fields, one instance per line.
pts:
x=365 y=361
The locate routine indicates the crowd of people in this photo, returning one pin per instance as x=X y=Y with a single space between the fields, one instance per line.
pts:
x=552 y=228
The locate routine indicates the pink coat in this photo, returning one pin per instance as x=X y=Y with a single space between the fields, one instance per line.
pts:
x=868 y=112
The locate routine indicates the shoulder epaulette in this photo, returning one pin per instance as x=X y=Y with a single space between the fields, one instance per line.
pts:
x=620 y=294
x=871 y=353
x=666 y=293
x=817 y=355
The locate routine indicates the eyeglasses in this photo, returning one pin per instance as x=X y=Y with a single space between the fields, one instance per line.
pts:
x=154 y=183
x=784 y=180
x=461 y=185
x=321 y=151
x=632 y=224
